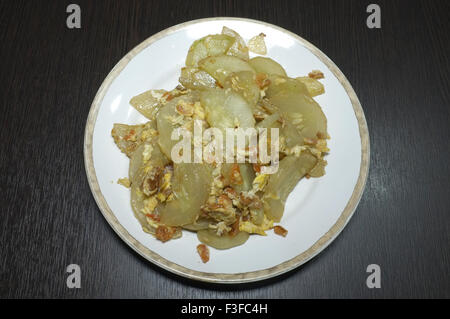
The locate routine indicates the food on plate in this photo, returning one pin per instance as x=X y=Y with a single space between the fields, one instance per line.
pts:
x=223 y=88
x=280 y=230
x=203 y=252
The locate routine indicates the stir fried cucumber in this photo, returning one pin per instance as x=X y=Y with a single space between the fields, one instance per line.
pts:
x=185 y=207
x=208 y=46
x=303 y=112
x=238 y=48
x=245 y=178
x=148 y=103
x=281 y=184
x=169 y=118
x=226 y=109
x=267 y=65
x=222 y=87
x=313 y=86
x=244 y=83
x=220 y=67
x=129 y=137
x=210 y=238
x=194 y=78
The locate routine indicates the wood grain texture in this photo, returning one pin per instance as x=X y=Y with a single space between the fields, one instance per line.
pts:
x=50 y=74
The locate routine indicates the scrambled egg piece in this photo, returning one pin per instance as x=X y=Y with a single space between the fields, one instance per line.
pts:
x=152 y=222
x=166 y=181
x=319 y=148
x=124 y=182
x=165 y=188
x=220 y=227
x=322 y=146
x=148 y=168
x=217 y=184
x=260 y=182
x=148 y=134
x=295 y=150
x=147 y=153
x=150 y=205
x=251 y=228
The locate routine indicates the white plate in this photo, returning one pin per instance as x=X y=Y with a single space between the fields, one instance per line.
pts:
x=316 y=211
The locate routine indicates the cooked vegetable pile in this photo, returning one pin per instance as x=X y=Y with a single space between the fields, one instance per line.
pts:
x=222 y=87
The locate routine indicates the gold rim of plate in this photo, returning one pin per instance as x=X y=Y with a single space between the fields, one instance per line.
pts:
x=281 y=268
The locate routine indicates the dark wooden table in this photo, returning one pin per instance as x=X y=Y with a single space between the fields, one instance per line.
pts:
x=49 y=77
